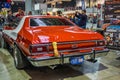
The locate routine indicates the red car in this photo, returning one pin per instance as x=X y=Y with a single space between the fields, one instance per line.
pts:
x=50 y=40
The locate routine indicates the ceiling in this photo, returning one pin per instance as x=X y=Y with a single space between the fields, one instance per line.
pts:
x=48 y=1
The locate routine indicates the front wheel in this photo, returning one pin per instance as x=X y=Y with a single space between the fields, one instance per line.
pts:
x=18 y=58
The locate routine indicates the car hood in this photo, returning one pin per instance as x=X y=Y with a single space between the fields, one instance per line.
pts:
x=62 y=34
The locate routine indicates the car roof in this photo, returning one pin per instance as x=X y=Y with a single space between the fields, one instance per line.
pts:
x=42 y=16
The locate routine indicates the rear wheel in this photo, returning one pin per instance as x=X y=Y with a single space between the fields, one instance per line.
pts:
x=3 y=44
x=19 y=59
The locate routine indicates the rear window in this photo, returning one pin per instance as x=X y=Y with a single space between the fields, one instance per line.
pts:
x=49 y=22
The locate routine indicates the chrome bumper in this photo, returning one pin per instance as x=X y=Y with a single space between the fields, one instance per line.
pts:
x=47 y=61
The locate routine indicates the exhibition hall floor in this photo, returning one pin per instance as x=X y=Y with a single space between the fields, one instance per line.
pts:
x=106 y=68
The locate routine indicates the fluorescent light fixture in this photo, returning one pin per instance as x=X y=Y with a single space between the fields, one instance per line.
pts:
x=37 y=7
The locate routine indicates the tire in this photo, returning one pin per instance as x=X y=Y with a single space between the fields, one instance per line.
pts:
x=19 y=59
x=3 y=44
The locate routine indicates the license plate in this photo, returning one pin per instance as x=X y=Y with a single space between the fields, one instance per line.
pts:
x=77 y=60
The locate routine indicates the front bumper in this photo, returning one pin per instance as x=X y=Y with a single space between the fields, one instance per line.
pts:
x=63 y=59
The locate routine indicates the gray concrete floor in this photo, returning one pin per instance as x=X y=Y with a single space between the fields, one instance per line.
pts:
x=107 y=68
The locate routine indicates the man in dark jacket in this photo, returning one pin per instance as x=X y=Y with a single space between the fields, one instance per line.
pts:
x=11 y=19
x=83 y=19
x=77 y=18
x=2 y=20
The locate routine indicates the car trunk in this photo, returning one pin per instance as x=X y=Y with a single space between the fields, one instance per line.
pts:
x=67 y=39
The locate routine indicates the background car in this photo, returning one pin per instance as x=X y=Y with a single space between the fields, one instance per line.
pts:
x=112 y=34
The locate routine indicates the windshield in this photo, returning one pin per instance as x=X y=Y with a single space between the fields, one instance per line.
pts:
x=49 y=22
x=113 y=27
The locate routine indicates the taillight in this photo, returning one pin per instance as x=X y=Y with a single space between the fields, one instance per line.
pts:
x=100 y=43
x=36 y=49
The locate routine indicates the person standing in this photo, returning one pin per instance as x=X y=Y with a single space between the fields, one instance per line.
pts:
x=83 y=19
x=77 y=18
x=59 y=13
x=10 y=17
x=2 y=20
x=99 y=21
x=30 y=13
x=20 y=13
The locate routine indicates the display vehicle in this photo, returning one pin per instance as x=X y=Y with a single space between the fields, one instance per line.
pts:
x=50 y=40
x=112 y=34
